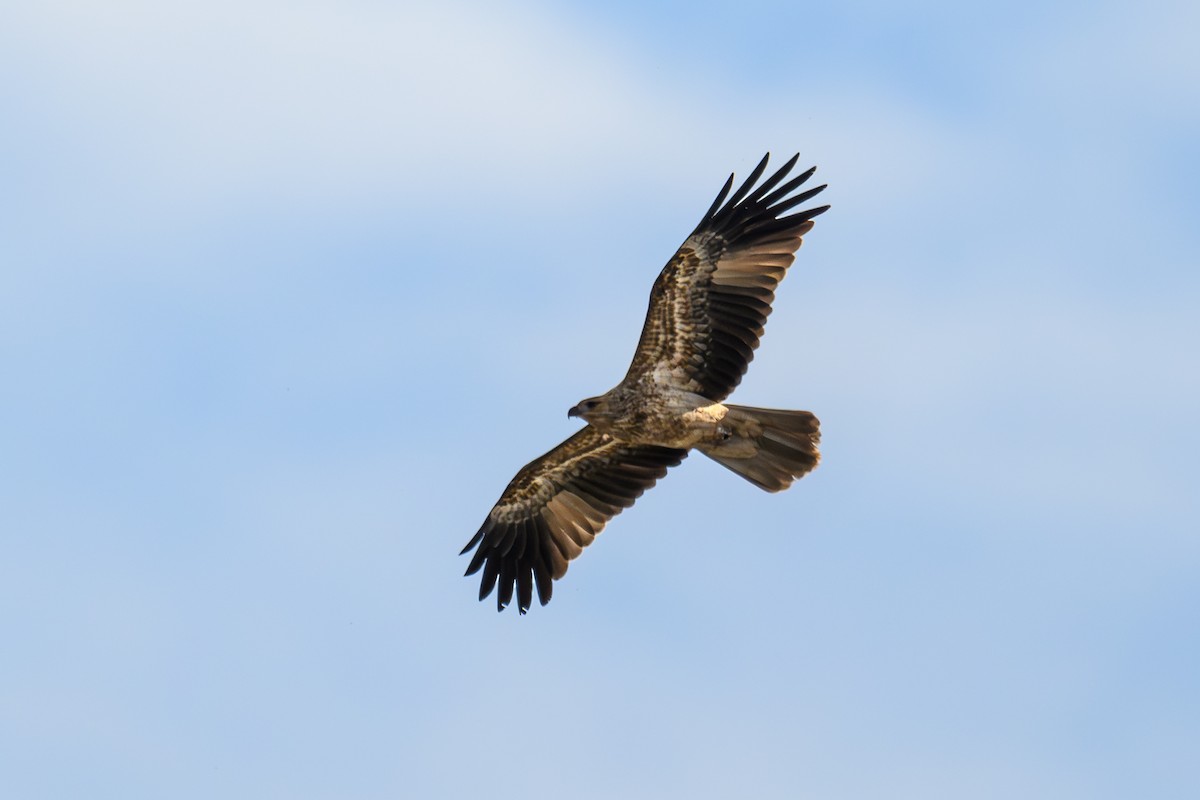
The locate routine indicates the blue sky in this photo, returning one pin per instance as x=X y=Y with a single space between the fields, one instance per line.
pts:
x=288 y=292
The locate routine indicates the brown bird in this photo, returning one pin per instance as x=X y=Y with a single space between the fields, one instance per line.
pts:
x=707 y=311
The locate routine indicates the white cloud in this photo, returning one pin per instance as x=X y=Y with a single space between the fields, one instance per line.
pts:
x=197 y=95
x=223 y=101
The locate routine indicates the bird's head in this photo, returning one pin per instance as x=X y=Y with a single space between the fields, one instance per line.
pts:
x=592 y=409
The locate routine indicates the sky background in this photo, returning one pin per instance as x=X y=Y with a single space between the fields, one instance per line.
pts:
x=289 y=291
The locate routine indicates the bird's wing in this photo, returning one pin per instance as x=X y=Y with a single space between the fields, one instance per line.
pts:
x=709 y=304
x=554 y=508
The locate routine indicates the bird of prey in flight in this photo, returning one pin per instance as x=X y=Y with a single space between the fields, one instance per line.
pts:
x=707 y=311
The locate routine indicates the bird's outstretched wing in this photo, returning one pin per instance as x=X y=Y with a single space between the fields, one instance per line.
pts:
x=554 y=508
x=709 y=304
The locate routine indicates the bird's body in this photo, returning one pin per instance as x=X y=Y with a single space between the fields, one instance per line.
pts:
x=706 y=315
x=648 y=411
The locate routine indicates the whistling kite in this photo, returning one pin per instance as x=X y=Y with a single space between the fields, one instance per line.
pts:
x=707 y=311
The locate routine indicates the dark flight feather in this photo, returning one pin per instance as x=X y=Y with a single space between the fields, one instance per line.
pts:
x=577 y=486
x=699 y=318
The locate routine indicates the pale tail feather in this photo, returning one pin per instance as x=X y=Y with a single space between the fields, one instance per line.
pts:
x=771 y=448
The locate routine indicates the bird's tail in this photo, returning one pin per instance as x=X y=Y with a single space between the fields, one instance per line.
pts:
x=767 y=447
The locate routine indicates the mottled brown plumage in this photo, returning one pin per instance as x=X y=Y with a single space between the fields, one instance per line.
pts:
x=706 y=316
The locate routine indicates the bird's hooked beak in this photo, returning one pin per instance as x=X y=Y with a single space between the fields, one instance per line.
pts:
x=587 y=409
